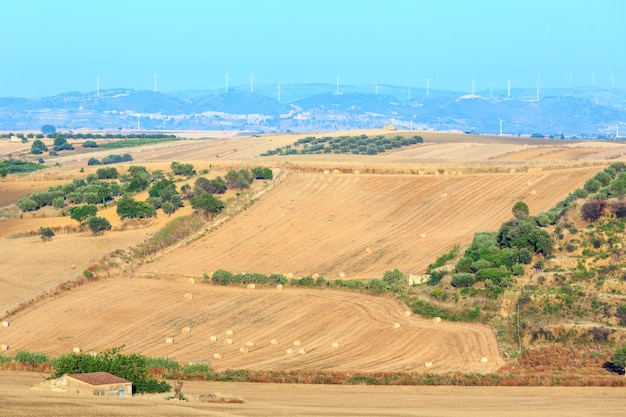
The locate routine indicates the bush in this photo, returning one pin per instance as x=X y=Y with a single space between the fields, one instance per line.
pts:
x=496 y=275
x=462 y=279
x=27 y=204
x=127 y=207
x=38 y=147
x=46 y=233
x=435 y=277
x=592 y=210
x=262 y=173
x=90 y=144
x=98 y=224
x=82 y=213
x=207 y=204
x=107 y=173
x=93 y=161
x=619 y=357
x=182 y=169
x=520 y=209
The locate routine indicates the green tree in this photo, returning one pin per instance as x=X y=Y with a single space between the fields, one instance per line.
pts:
x=38 y=147
x=619 y=358
x=27 y=204
x=46 y=233
x=207 y=204
x=82 y=213
x=168 y=208
x=98 y=224
x=520 y=209
x=127 y=207
x=182 y=169
x=48 y=129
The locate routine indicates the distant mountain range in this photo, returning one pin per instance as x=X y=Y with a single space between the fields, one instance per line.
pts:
x=576 y=113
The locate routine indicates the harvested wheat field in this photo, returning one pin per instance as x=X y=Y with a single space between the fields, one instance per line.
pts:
x=316 y=223
x=371 y=334
x=269 y=400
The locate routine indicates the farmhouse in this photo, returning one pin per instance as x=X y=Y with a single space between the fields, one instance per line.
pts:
x=95 y=383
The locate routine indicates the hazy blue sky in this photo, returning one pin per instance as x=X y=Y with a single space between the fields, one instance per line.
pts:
x=53 y=46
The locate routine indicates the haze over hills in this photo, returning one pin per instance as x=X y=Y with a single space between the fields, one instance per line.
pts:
x=572 y=113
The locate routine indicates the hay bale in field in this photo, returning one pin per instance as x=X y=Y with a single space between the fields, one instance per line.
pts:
x=407 y=313
x=326 y=172
x=422 y=235
x=289 y=275
x=213 y=338
x=228 y=341
x=4 y=347
x=335 y=344
x=250 y=286
x=217 y=356
x=243 y=349
x=336 y=171
x=396 y=325
x=420 y=172
x=437 y=320
x=511 y=170
x=302 y=351
x=229 y=332
x=5 y=324
x=273 y=342
x=315 y=276
x=186 y=330
x=445 y=173
x=93 y=354
x=76 y=349
x=279 y=287
x=529 y=183
x=297 y=343
x=414 y=279
x=459 y=173
x=368 y=250
x=169 y=340
x=357 y=172
x=188 y=296
x=533 y=192
x=443 y=195
x=428 y=364
x=250 y=344
x=342 y=275
x=289 y=351
x=484 y=359
x=191 y=281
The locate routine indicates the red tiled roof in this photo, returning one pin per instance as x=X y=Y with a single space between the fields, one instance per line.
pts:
x=99 y=378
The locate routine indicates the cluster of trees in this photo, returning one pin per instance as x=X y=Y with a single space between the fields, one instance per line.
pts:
x=14 y=166
x=54 y=134
x=133 y=367
x=362 y=144
x=110 y=159
x=163 y=194
x=60 y=144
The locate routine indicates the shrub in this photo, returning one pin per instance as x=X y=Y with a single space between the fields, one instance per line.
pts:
x=127 y=207
x=93 y=161
x=592 y=210
x=107 y=173
x=182 y=169
x=520 y=209
x=207 y=204
x=394 y=277
x=496 y=275
x=38 y=147
x=619 y=208
x=46 y=233
x=619 y=357
x=435 y=277
x=98 y=224
x=90 y=144
x=262 y=173
x=81 y=213
x=592 y=185
x=462 y=279
x=27 y=204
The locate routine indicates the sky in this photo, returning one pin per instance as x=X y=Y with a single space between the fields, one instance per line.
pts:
x=49 y=47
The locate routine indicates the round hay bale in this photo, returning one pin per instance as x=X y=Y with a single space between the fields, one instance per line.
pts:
x=436 y=173
x=326 y=172
x=289 y=351
x=273 y=342
x=335 y=344
x=484 y=359
x=315 y=276
x=445 y=173
x=422 y=235
x=453 y=173
x=396 y=325
x=94 y=354
x=188 y=296
x=342 y=275
x=336 y=171
x=4 y=347
x=533 y=192
x=420 y=172
x=76 y=349
x=357 y=172
x=459 y=173
x=443 y=195
x=169 y=340
x=289 y=275
x=5 y=324
x=511 y=170
x=279 y=287
x=250 y=344
x=217 y=356
x=529 y=183
x=191 y=281
x=229 y=332
x=428 y=364
x=302 y=351
x=228 y=341
x=243 y=349
x=296 y=343
x=186 y=330
x=407 y=313
x=213 y=338
x=437 y=320
x=368 y=250
x=250 y=286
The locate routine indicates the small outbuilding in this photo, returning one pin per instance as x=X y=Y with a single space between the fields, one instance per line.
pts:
x=96 y=383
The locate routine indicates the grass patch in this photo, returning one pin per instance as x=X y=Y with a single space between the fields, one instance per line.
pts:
x=174 y=231
x=130 y=143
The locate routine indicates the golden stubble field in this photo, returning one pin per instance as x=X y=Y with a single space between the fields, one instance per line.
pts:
x=322 y=217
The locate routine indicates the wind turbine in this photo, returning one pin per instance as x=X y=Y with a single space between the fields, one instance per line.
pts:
x=569 y=80
x=409 y=92
x=428 y=80
x=538 y=82
x=593 y=79
x=490 y=89
x=252 y=82
x=98 y=85
x=508 y=88
x=617 y=130
x=337 y=92
x=155 y=81
x=375 y=88
x=278 y=90
x=612 y=79
x=226 y=77
x=500 y=125
x=473 y=84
